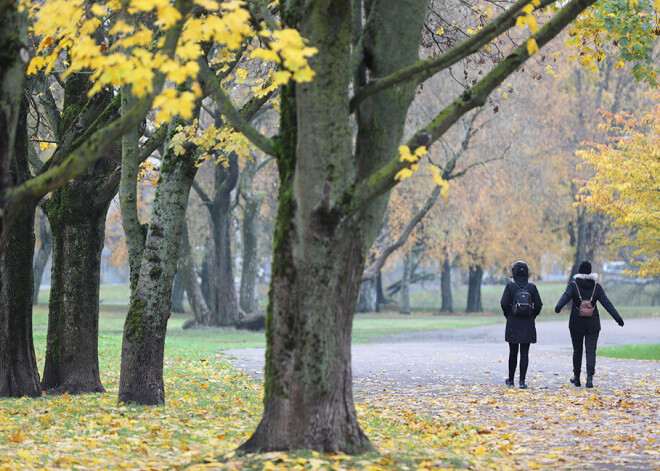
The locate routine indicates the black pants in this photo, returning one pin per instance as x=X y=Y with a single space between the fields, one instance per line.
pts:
x=590 y=341
x=513 y=359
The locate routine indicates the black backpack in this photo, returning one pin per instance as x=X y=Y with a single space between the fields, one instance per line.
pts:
x=522 y=302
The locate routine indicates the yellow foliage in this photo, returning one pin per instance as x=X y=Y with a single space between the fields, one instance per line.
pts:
x=131 y=56
x=625 y=186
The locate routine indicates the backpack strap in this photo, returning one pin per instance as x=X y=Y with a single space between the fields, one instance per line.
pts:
x=591 y=299
x=578 y=290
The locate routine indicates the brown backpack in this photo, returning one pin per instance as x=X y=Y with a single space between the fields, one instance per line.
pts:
x=586 y=305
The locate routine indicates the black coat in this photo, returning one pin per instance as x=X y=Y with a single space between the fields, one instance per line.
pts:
x=586 y=325
x=520 y=329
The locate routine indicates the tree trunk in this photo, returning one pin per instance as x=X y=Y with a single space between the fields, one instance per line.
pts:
x=249 y=274
x=319 y=253
x=141 y=377
x=583 y=238
x=380 y=295
x=73 y=320
x=43 y=254
x=18 y=366
x=474 y=289
x=223 y=298
x=368 y=297
x=445 y=287
x=201 y=312
x=177 y=294
x=77 y=212
x=405 y=285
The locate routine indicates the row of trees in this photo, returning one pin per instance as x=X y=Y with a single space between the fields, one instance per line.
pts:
x=132 y=78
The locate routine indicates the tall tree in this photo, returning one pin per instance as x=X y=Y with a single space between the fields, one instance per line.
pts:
x=18 y=366
x=332 y=200
x=77 y=212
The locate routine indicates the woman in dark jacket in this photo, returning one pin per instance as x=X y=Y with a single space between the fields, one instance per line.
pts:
x=520 y=328
x=585 y=330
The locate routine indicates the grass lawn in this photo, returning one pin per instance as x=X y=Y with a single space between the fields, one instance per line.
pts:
x=648 y=351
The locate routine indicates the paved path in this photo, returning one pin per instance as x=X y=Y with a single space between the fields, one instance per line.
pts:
x=457 y=376
x=479 y=354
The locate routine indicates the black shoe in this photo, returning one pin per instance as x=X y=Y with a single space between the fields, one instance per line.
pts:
x=522 y=384
x=590 y=381
x=576 y=381
x=508 y=382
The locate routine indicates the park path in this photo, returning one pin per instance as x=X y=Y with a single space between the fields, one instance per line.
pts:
x=457 y=375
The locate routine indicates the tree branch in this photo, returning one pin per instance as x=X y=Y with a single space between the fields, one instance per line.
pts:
x=372 y=271
x=212 y=87
x=383 y=180
x=426 y=68
x=202 y=194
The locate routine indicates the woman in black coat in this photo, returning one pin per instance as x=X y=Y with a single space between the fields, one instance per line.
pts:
x=521 y=303
x=585 y=330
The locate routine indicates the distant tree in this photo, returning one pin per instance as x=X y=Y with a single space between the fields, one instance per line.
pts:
x=625 y=186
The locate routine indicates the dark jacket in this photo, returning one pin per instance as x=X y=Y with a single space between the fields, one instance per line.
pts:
x=520 y=329
x=586 y=325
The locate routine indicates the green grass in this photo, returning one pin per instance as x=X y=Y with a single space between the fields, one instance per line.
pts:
x=630 y=300
x=366 y=327
x=648 y=351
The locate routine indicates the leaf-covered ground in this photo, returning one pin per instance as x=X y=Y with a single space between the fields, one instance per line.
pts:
x=435 y=424
x=211 y=409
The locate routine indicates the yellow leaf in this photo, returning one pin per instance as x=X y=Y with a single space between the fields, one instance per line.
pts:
x=16 y=437
x=403 y=174
x=532 y=47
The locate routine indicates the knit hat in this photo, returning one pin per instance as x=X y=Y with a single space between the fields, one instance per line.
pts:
x=520 y=269
x=585 y=268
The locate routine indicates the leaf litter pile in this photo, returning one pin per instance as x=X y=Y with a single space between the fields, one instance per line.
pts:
x=212 y=408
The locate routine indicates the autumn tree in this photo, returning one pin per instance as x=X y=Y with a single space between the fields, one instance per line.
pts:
x=625 y=186
x=333 y=195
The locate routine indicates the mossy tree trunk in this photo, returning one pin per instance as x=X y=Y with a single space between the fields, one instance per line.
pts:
x=13 y=44
x=474 y=304
x=18 y=367
x=43 y=254
x=157 y=252
x=77 y=213
x=319 y=250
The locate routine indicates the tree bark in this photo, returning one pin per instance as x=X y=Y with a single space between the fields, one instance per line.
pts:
x=405 y=284
x=78 y=227
x=248 y=291
x=445 y=287
x=18 y=366
x=223 y=300
x=43 y=254
x=474 y=289
x=318 y=254
x=13 y=43
x=77 y=212
x=367 y=297
x=201 y=312
x=177 y=294
x=143 y=345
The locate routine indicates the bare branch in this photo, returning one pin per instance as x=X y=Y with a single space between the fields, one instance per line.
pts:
x=372 y=271
x=426 y=68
